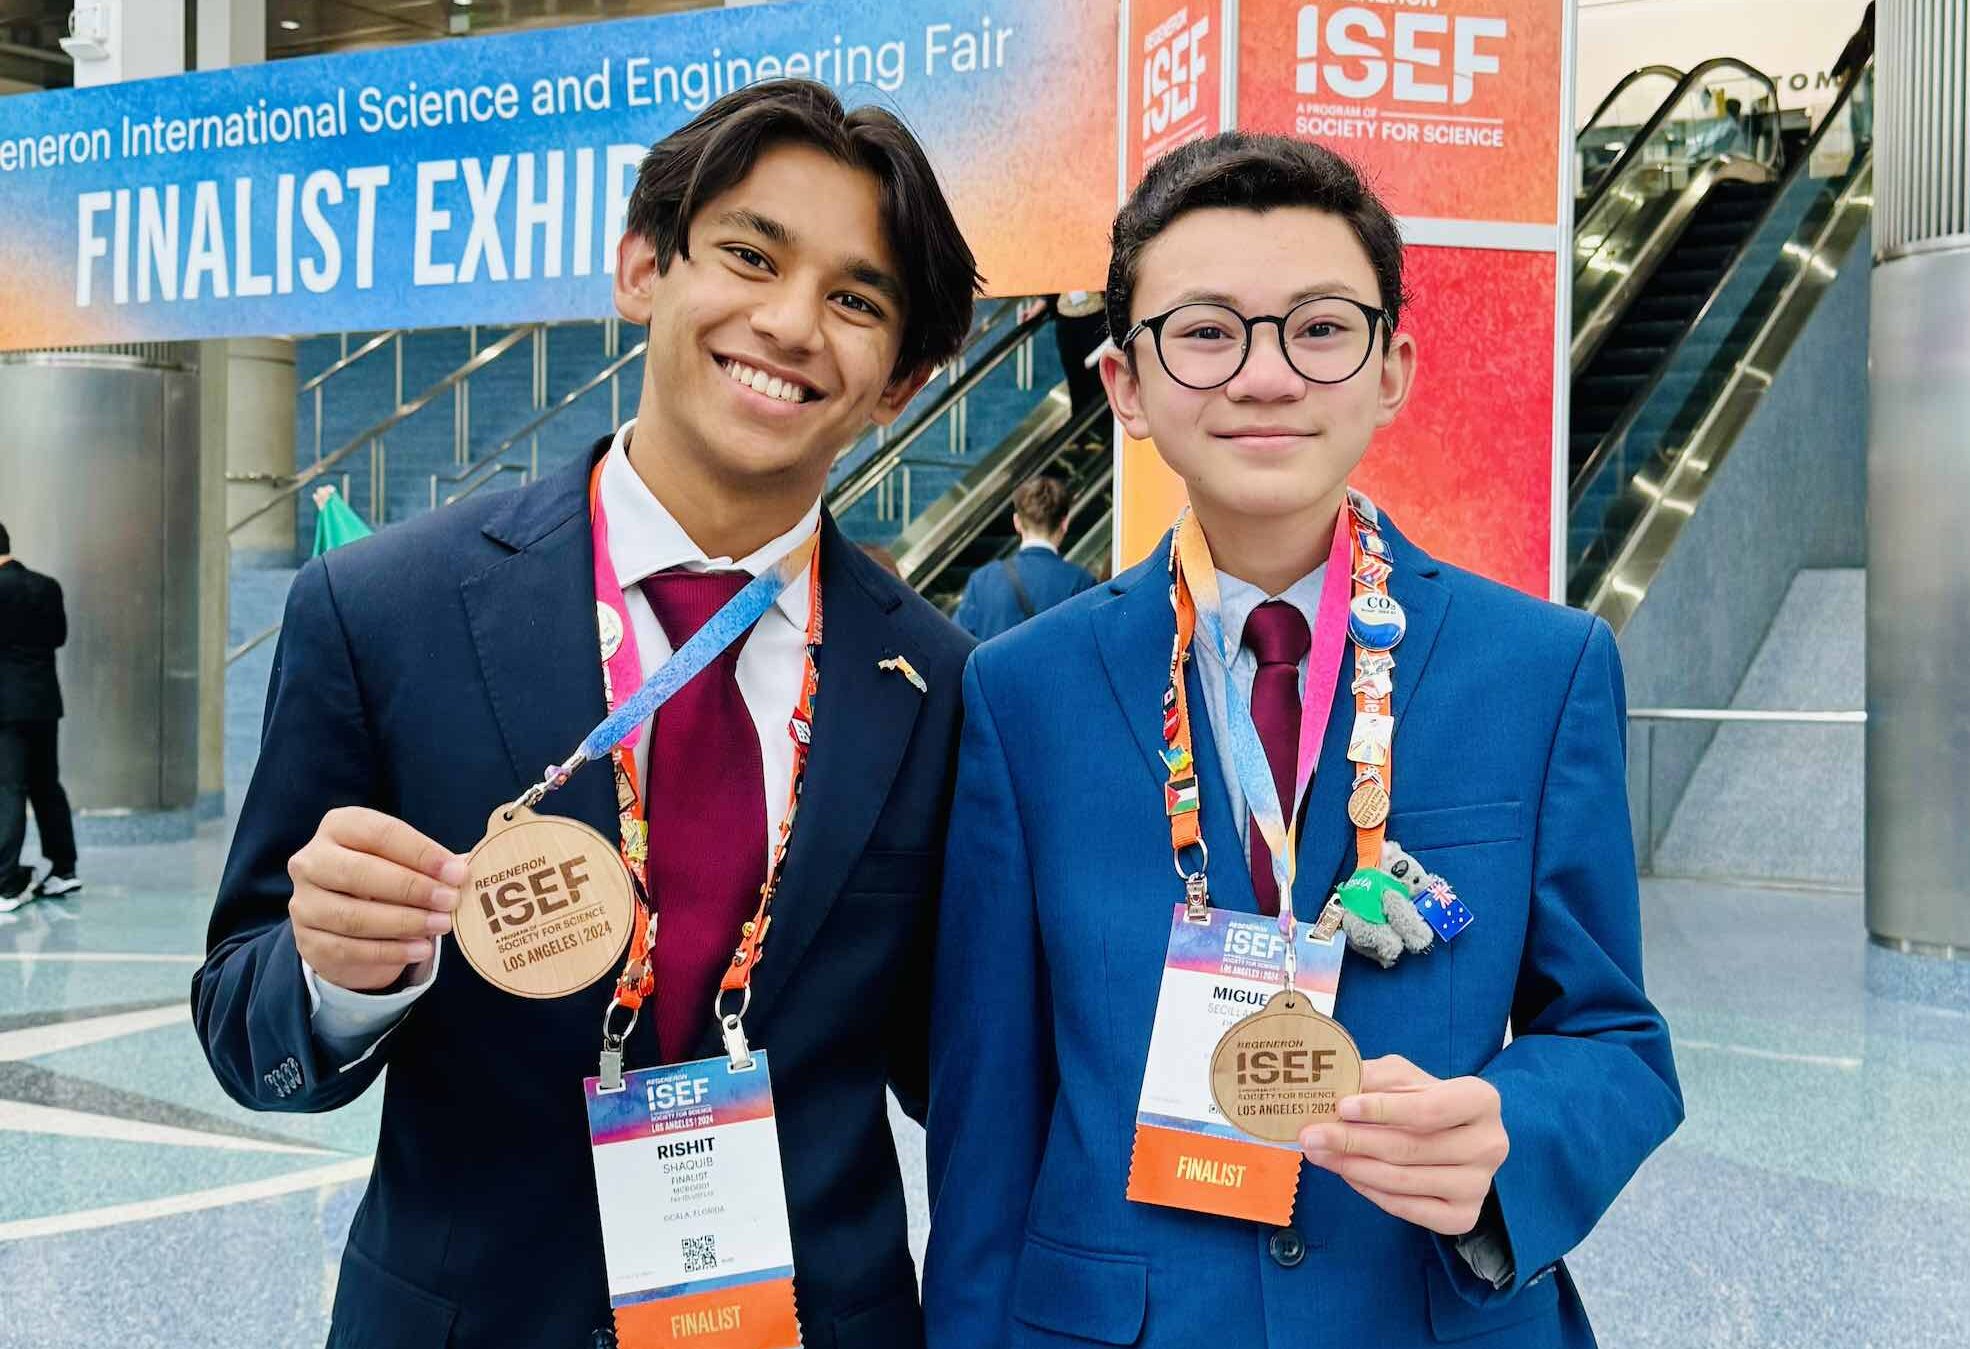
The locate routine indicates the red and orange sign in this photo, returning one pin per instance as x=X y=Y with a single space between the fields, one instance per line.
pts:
x=1452 y=106
x=1174 y=88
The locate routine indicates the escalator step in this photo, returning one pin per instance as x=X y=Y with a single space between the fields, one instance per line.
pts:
x=1626 y=360
x=1715 y=257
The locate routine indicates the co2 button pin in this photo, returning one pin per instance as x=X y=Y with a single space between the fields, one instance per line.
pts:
x=1288 y=1247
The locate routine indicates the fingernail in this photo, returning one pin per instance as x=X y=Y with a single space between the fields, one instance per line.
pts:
x=444 y=899
x=1352 y=1108
x=453 y=872
x=1317 y=1139
x=437 y=924
x=418 y=950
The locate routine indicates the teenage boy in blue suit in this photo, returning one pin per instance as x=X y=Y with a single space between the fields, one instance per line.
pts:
x=1441 y=1202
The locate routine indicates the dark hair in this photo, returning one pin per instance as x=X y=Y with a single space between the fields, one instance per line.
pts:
x=6 y=543
x=719 y=147
x=1250 y=172
x=1042 y=502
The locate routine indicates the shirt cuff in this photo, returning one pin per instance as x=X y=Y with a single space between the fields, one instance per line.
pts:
x=1486 y=1249
x=349 y=1025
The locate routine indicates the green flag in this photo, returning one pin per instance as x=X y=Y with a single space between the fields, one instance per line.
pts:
x=337 y=524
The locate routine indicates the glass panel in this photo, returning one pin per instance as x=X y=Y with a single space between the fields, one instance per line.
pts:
x=1614 y=125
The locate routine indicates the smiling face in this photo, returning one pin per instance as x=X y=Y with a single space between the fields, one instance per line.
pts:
x=1270 y=447
x=774 y=343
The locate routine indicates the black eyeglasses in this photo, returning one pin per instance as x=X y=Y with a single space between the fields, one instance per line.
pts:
x=1326 y=340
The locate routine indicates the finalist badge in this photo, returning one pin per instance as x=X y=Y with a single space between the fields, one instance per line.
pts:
x=1283 y=1068
x=547 y=905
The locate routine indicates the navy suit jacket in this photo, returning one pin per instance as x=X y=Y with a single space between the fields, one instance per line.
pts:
x=430 y=672
x=989 y=605
x=1059 y=889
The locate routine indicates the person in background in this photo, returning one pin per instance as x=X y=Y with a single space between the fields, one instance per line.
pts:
x=1080 y=327
x=1007 y=593
x=32 y=625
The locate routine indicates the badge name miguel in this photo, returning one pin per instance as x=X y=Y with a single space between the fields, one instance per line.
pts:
x=1284 y=1068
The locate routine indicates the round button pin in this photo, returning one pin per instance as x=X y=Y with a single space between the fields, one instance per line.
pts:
x=1376 y=622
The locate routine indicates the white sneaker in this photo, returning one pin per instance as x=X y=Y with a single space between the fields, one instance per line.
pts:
x=53 y=886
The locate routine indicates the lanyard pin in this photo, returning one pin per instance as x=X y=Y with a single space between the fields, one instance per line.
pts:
x=901 y=665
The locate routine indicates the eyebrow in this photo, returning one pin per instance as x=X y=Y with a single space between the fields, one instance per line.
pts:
x=859 y=270
x=1318 y=288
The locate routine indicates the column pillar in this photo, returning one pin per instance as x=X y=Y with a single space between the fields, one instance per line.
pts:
x=1918 y=552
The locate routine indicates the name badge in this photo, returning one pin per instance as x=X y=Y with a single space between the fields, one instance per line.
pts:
x=694 y=1208
x=1216 y=974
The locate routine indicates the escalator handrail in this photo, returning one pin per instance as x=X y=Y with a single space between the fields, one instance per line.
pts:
x=1599 y=192
x=1048 y=450
x=1638 y=73
x=1576 y=489
x=864 y=477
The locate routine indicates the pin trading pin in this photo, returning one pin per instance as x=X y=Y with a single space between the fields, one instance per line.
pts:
x=901 y=665
x=1442 y=910
x=1373 y=572
x=1176 y=758
x=1368 y=804
x=609 y=627
x=1369 y=742
x=1376 y=622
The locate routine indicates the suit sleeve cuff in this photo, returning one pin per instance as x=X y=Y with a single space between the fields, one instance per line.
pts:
x=348 y=1026
x=1485 y=1248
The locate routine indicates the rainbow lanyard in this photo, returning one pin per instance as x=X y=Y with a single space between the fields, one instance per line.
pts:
x=1194 y=596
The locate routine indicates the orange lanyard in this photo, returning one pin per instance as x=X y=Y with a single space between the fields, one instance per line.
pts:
x=1372 y=632
x=621 y=673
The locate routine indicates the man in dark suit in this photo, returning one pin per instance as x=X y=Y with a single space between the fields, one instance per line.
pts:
x=1005 y=594
x=32 y=625
x=800 y=275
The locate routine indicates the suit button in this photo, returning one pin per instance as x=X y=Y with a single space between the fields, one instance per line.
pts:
x=1287 y=1247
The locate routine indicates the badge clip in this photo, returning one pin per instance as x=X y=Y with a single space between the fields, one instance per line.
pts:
x=737 y=1052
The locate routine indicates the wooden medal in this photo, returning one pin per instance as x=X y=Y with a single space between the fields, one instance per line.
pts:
x=547 y=905
x=1368 y=805
x=1282 y=1068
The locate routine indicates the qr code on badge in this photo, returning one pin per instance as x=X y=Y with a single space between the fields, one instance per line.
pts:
x=700 y=1254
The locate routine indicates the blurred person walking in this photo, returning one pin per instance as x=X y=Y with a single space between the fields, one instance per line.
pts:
x=1005 y=594
x=32 y=625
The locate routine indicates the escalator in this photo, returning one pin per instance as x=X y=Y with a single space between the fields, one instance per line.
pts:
x=1694 y=353
x=1659 y=226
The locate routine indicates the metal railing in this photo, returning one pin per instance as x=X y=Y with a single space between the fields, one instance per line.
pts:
x=493 y=464
x=865 y=476
x=1651 y=717
x=247 y=646
x=394 y=337
x=372 y=437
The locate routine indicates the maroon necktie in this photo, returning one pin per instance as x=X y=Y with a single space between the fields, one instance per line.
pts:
x=1277 y=634
x=705 y=799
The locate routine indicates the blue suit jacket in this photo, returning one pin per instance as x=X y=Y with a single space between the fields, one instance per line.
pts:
x=989 y=606
x=1509 y=781
x=430 y=672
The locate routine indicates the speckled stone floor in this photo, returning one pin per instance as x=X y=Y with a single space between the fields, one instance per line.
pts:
x=1819 y=1194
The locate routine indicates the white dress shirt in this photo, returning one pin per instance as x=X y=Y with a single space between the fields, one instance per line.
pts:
x=1237 y=599
x=644 y=539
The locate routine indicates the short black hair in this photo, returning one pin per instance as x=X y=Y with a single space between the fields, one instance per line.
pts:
x=719 y=147
x=6 y=543
x=1244 y=170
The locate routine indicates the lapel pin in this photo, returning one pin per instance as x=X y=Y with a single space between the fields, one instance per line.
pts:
x=901 y=665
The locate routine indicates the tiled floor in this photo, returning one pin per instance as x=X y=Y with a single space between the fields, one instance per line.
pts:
x=1819 y=1194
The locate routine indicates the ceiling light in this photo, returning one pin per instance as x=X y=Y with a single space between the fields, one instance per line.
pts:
x=291 y=25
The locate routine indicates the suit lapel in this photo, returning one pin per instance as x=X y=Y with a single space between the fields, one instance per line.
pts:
x=532 y=618
x=1327 y=837
x=863 y=718
x=1134 y=632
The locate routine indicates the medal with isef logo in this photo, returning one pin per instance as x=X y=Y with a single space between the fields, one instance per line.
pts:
x=547 y=907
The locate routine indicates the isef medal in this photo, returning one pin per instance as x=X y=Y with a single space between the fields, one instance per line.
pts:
x=1282 y=1068
x=547 y=905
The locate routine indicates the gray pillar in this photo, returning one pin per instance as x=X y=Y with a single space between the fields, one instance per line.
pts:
x=99 y=474
x=1918 y=548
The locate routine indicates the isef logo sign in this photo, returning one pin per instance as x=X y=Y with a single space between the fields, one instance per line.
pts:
x=1354 y=52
